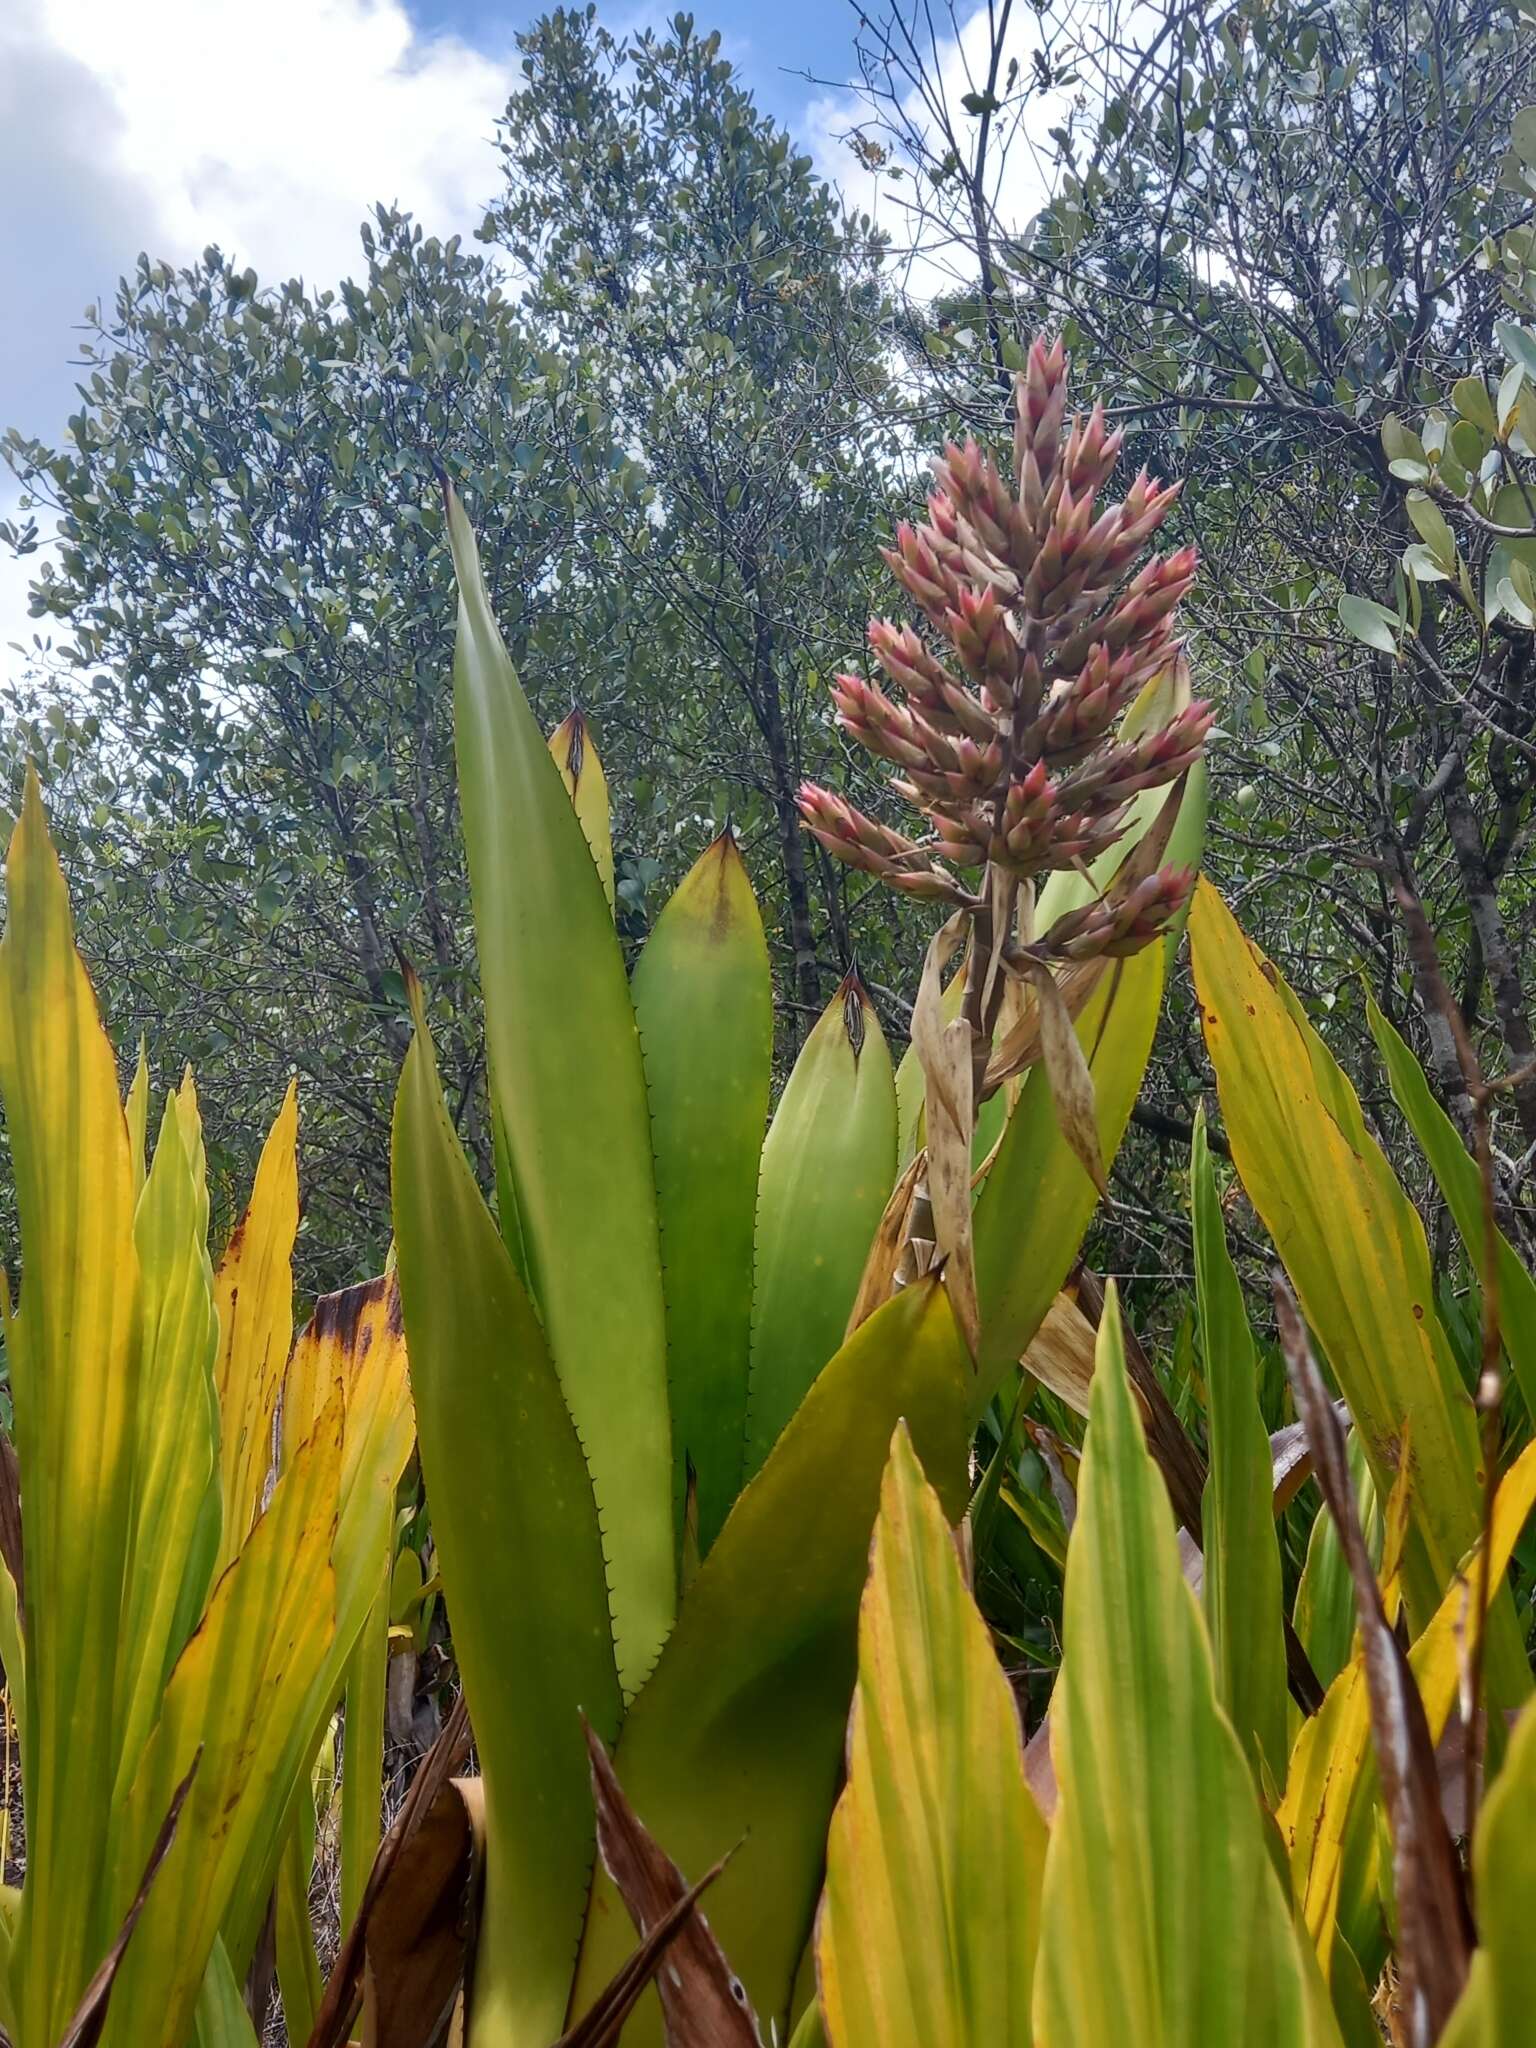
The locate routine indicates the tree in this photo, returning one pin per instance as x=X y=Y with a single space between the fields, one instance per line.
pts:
x=1271 y=231
x=724 y=321
x=251 y=709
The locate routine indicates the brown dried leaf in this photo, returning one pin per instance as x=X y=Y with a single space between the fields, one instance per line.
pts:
x=1060 y=1355
x=1019 y=1046
x=344 y=1987
x=944 y=1052
x=421 y=1927
x=90 y=2015
x=879 y=1277
x=1435 y=1935
x=703 y=2001
x=1066 y=1068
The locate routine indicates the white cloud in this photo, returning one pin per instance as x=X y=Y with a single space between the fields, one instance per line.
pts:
x=165 y=125
x=1019 y=179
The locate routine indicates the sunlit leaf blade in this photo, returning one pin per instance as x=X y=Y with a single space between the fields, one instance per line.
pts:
x=176 y=1504
x=828 y=1164
x=1243 y=1602
x=581 y=771
x=1355 y=1250
x=1498 y=2007
x=136 y=1116
x=239 y=1691
x=74 y=1366
x=1037 y=1200
x=253 y=1294
x=704 y=1005
x=517 y=1535
x=931 y=1911
x=738 y=1738
x=352 y=1350
x=567 y=1082
x=1459 y=1182
x=1327 y=1813
x=1163 y=1922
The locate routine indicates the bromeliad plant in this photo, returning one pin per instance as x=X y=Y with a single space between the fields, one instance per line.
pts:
x=181 y=1601
x=655 y=1392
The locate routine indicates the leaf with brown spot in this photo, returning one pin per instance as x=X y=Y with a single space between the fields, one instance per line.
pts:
x=703 y=2000
x=1435 y=1935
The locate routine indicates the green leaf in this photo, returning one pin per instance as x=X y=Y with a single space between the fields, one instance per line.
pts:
x=737 y=1741
x=1432 y=527
x=704 y=1003
x=1519 y=344
x=1355 y=1250
x=1458 y=1179
x=239 y=1694
x=74 y=1354
x=178 y=1424
x=1369 y=622
x=1163 y=1919
x=567 y=1080
x=828 y=1165
x=1470 y=397
x=516 y=1530
x=1243 y=1602
x=931 y=1912
x=1498 y=2007
x=1038 y=1200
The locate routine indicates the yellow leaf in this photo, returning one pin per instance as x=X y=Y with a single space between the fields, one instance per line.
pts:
x=587 y=787
x=931 y=1913
x=1163 y=1922
x=253 y=1292
x=241 y=1692
x=1498 y=2007
x=74 y=1363
x=1355 y=1250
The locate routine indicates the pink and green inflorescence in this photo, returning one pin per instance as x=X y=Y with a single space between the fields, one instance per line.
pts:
x=1007 y=742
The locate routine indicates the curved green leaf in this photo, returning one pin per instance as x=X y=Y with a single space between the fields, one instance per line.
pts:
x=1354 y=1247
x=568 y=1085
x=828 y=1164
x=1243 y=1599
x=178 y=1432
x=1037 y=1200
x=516 y=1530
x=1163 y=1919
x=74 y=1351
x=704 y=1003
x=1498 y=2007
x=736 y=1742
x=931 y=1912
x=1457 y=1177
